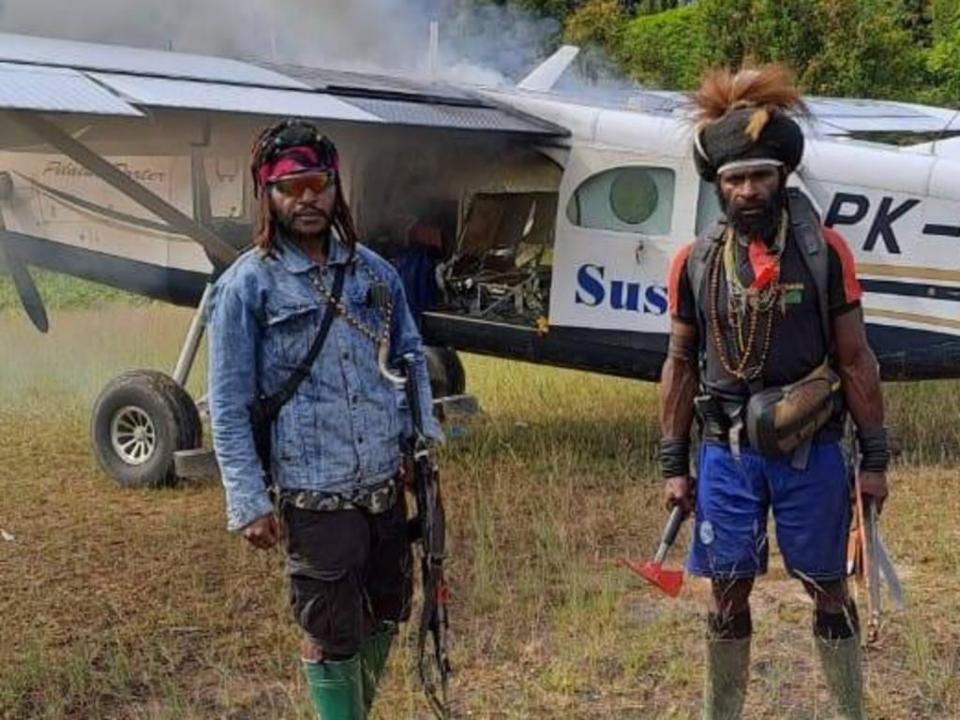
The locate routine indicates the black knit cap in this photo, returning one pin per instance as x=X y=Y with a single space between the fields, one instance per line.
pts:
x=730 y=139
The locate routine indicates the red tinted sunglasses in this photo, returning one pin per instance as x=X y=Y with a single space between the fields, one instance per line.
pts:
x=296 y=186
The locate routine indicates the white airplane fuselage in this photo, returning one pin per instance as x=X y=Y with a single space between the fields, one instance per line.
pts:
x=627 y=198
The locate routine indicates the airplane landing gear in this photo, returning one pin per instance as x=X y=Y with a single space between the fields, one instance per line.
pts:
x=144 y=418
x=139 y=420
x=447 y=376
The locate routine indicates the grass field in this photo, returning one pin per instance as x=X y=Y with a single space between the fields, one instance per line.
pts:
x=128 y=604
x=63 y=292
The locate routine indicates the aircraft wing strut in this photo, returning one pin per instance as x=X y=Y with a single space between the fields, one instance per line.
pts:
x=110 y=174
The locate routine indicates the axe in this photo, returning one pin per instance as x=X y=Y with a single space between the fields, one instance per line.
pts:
x=669 y=581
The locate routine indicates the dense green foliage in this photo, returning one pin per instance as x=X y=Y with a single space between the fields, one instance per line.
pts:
x=898 y=49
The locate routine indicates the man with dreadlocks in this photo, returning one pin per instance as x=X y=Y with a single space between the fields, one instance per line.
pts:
x=336 y=438
x=768 y=350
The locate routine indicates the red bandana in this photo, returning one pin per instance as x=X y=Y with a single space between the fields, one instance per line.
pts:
x=291 y=161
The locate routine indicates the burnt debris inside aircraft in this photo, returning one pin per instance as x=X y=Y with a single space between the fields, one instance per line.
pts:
x=501 y=263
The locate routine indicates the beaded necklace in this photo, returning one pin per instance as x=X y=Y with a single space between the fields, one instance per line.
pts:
x=747 y=307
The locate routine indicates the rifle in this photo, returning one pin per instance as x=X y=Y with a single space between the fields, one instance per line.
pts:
x=429 y=527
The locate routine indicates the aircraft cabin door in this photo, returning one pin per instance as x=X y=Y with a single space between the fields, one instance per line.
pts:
x=613 y=243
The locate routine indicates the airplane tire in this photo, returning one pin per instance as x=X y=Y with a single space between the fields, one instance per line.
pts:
x=191 y=427
x=139 y=420
x=447 y=376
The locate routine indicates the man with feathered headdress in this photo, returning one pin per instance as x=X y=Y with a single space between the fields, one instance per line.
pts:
x=768 y=349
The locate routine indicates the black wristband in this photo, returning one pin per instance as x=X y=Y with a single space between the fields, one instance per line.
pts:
x=674 y=457
x=874 y=452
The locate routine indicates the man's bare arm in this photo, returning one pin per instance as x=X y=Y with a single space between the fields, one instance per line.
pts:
x=860 y=378
x=858 y=370
x=679 y=381
x=678 y=388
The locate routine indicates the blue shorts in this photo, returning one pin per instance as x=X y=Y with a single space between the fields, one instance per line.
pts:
x=811 y=508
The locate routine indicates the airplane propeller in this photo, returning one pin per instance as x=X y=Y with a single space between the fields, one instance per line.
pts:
x=26 y=288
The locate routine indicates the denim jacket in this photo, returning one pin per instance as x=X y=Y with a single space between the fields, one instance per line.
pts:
x=342 y=429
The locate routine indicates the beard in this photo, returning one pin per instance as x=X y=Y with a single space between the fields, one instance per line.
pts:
x=762 y=222
x=293 y=224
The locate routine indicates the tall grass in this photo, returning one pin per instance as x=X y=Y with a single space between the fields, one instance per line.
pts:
x=61 y=292
x=925 y=419
x=84 y=349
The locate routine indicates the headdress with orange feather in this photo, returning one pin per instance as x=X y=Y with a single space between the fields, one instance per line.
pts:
x=743 y=118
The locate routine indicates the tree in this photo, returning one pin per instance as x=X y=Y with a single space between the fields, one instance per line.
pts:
x=597 y=22
x=665 y=50
x=865 y=53
x=943 y=60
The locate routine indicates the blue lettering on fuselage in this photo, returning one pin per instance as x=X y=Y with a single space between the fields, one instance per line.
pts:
x=593 y=290
x=591 y=283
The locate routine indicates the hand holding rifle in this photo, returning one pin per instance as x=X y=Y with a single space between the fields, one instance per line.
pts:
x=430 y=530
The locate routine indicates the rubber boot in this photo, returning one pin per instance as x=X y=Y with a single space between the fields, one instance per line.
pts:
x=840 y=661
x=373 y=660
x=728 y=669
x=336 y=689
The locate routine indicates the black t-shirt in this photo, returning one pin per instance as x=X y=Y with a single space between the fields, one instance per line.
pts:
x=797 y=345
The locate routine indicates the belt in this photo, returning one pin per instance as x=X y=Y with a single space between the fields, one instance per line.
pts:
x=721 y=421
x=374 y=500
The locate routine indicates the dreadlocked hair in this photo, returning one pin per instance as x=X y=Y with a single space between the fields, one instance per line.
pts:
x=768 y=88
x=340 y=220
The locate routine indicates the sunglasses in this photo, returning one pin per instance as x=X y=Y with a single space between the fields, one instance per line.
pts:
x=298 y=185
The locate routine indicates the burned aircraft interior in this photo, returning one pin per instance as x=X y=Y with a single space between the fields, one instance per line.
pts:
x=469 y=226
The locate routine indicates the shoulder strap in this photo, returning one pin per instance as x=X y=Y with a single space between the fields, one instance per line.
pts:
x=699 y=259
x=806 y=227
x=274 y=402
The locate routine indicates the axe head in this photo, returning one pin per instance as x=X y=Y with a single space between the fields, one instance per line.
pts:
x=669 y=581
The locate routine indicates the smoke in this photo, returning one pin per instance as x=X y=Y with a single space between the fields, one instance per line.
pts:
x=479 y=42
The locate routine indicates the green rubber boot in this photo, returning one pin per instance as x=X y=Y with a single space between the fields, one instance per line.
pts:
x=728 y=669
x=373 y=660
x=840 y=661
x=336 y=689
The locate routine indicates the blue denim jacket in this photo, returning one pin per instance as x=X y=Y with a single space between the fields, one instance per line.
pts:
x=342 y=429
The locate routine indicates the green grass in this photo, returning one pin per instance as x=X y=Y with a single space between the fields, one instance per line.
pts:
x=61 y=292
x=138 y=604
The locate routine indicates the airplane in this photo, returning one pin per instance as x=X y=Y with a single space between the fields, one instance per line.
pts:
x=527 y=222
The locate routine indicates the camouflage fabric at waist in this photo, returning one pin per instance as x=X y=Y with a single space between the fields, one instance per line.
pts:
x=374 y=500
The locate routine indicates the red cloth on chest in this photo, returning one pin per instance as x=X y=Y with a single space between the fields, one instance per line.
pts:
x=765 y=266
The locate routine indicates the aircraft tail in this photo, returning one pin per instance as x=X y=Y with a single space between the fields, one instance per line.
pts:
x=545 y=76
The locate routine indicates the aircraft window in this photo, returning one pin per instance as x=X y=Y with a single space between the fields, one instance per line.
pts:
x=633 y=196
x=627 y=199
x=708 y=206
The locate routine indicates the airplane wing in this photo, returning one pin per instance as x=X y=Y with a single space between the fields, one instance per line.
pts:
x=850 y=117
x=837 y=117
x=64 y=76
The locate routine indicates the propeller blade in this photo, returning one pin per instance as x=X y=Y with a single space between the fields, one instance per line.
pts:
x=26 y=289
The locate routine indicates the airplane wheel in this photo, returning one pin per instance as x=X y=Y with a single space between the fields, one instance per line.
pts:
x=139 y=420
x=447 y=376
